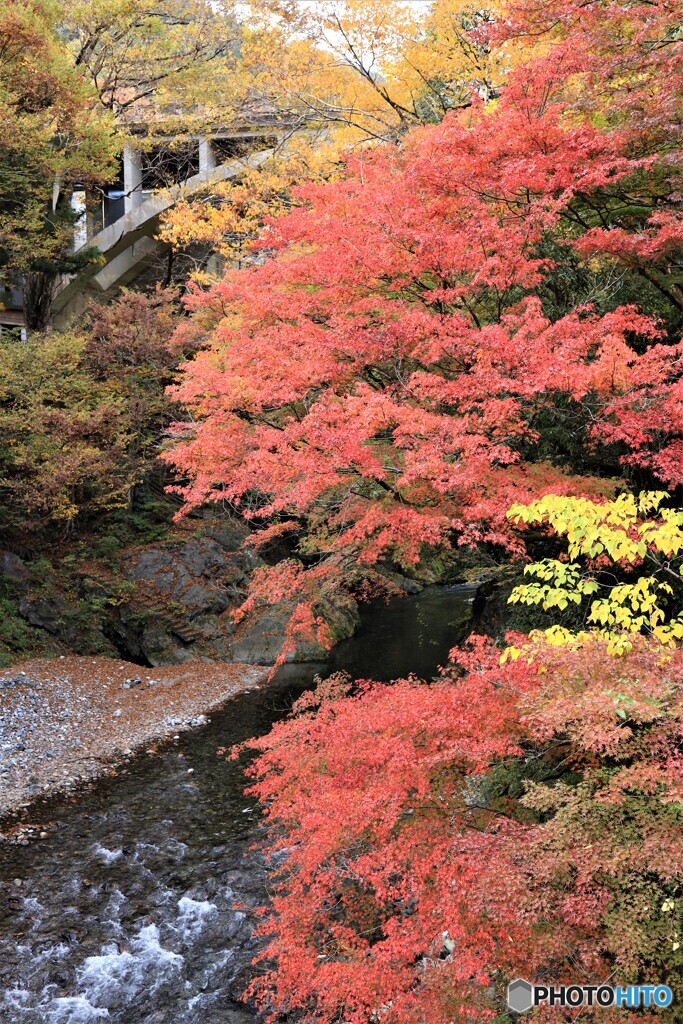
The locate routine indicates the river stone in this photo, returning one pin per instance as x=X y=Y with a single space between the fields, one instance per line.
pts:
x=20 y=679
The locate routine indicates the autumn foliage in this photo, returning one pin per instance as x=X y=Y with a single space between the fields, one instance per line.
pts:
x=52 y=138
x=507 y=820
x=471 y=320
x=381 y=385
x=82 y=413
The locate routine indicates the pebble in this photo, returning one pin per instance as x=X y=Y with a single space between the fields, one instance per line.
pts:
x=60 y=721
x=18 y=882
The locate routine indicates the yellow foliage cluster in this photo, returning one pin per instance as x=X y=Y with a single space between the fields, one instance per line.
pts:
x=607 y=543
x=172 y=64
x=371 y=68
x=231 y=214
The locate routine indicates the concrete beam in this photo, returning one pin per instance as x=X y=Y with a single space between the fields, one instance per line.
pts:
x=120 y=267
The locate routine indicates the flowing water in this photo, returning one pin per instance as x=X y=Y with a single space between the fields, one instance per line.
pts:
x=137 y=907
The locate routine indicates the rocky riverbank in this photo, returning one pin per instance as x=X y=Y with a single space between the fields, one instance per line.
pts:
x=66 y=720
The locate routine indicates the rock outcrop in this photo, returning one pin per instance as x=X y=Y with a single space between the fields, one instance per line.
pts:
x=182 y=598
x=165 y=604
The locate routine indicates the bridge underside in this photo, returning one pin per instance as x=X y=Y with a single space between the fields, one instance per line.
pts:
x=128 y=246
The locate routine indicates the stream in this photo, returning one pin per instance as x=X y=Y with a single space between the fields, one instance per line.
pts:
x=137 y=907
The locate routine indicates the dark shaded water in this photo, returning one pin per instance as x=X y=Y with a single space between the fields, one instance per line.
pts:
x=136 y=908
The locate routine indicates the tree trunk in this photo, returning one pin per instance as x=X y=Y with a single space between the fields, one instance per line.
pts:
x=39 y=287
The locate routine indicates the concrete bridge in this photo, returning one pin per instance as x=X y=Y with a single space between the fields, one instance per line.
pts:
x=127 y=244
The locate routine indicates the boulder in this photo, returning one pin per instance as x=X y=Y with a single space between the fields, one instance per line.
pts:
x=184 y=595
x=69 y=622
x=260 y=638
x=47 y=612
x=175 y=606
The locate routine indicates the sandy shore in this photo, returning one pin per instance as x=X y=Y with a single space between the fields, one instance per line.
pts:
x=66 y=720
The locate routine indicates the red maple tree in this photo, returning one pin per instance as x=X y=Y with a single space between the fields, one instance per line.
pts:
x=375 y=387
x=381 y=387
x=521 y=820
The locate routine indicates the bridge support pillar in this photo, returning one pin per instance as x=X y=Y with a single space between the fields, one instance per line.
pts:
x=207 y=157
x=132 y=178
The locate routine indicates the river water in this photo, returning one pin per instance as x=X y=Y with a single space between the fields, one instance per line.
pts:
x=137 y=907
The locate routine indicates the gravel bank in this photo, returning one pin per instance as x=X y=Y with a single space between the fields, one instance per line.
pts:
x=66 y=720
